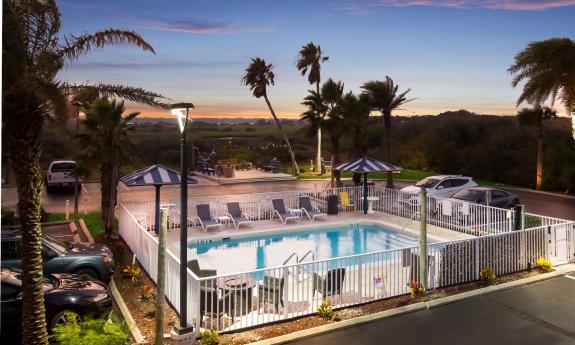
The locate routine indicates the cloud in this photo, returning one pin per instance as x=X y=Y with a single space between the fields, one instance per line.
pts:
x=192 y=25
x=357 y=7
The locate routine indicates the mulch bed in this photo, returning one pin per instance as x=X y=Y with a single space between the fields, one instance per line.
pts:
x=143 y=312
x=287 y=327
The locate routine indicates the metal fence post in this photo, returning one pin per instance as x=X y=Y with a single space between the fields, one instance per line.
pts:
x=285 y=291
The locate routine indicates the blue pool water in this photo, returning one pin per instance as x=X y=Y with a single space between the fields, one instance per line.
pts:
x=243 y=254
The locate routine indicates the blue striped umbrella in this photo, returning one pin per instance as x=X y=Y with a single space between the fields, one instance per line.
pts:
x=157 y=176
x=365 y=165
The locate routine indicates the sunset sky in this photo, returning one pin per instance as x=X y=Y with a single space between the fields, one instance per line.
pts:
x=452 y=54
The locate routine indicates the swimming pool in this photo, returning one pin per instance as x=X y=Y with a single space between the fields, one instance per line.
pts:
x=249 y=253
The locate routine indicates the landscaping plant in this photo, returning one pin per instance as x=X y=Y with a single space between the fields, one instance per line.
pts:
x=325 y=310
x=487 y=275
x=416 y=290
x=544 y=264
x=93 y=332
x=210 y=338
x=146 y=293
x=133 y=272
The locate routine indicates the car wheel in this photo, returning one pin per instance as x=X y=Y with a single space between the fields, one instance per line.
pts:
x=65 y=317
x=87 y=271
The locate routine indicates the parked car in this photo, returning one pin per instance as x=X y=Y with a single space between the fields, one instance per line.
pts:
x=441 y=186
x=95 y=260
x=76 y=294
x=478 y=195
x=60 y=175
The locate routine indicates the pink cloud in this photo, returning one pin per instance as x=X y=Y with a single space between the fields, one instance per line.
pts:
x=364 y=7
x=199 y=26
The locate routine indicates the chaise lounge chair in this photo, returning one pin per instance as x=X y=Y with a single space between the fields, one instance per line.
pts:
x=344 y=201
x=205 y=218
x=310 y=211
x=280 y=211
x=330 y=285
x=237 y=216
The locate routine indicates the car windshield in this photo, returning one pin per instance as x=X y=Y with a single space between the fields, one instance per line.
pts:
x=57 y=167
x=427 y=182
x=469 y=195
x=56 y=244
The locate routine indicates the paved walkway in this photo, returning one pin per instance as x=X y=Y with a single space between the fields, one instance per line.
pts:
x=538 y=313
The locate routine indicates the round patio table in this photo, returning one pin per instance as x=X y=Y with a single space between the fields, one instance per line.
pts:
x=241 y=286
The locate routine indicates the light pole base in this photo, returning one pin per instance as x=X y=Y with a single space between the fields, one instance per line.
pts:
x=182 y=336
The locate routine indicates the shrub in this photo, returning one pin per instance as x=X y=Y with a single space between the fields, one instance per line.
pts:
x=543 y=264
x=487 y=275
x=210 y=338
x=132 y=272
x=93 y=332
x=325 y=310
x=146 y=293
x=416 y=290
x=532 y=222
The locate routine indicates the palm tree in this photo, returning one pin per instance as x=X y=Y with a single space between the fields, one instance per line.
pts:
x=105 y=145
x=332 y=93
x=32 y=56
x=384 y=97
x=355 y=114
x=314 y=103
x=535 y=117
x=258 y=76
x=548 y=69
x=310 y=58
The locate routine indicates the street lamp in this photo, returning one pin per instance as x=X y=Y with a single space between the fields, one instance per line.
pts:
x=178 y=111
x=78 y=105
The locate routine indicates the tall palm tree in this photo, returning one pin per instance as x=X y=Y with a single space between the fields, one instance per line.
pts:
x=310 y=58
x=535 y=117
x=258 y=76
x=548 y=69
x=332 y=93
x=355 y=113
x=314 y=103
x=32 y=56
x=385 y=97
x=105 y=145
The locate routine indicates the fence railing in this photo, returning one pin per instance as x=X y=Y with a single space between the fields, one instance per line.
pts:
x=469 y=218
x=246 y=299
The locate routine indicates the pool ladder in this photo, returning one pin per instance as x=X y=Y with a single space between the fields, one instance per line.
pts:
x=299 y=261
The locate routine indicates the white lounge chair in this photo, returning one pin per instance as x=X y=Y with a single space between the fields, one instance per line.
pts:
x=280 y=211
x=311 y=212
x=205 y=218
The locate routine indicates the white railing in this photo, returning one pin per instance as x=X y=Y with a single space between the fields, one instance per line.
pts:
x=246 y=299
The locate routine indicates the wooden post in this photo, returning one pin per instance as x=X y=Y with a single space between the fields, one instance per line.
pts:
x=160 y=291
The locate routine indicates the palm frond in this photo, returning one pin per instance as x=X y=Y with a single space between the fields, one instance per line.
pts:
x=76 y=46
x=130 y=93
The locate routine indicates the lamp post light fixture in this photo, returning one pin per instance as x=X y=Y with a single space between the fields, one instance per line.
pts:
x=77 y=105
x=181 y=111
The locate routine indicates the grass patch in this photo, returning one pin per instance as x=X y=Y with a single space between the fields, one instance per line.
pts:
x=93 y=221
x=406 y=174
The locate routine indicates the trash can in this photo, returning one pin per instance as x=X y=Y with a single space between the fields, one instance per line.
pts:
x=332 y=202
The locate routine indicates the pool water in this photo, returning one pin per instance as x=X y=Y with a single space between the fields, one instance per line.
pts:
x=249 y=253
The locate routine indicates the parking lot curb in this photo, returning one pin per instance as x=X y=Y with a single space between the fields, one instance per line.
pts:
x=287 y=338
x=126 y=315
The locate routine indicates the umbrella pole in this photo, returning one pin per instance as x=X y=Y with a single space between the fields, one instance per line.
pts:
x=365 y=193
x=157 y=215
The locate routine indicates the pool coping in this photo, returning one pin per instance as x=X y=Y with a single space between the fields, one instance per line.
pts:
x=314 y=331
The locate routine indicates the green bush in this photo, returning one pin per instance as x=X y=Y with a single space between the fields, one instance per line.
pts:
x=487 y=275
x=210 y=338
x=532 y=222
x=93 y=332
x=325 y=310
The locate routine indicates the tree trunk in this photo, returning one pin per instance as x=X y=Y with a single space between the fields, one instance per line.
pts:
x=161 y=281
x=539 y=180
x=23 y=133
x=335 y=175
x=318 y=157
x=387 y=126
x=278 y=123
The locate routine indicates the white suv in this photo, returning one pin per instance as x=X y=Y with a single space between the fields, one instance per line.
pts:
x=441 y=186
x=60 y=174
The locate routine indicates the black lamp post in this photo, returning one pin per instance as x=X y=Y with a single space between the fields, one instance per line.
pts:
x=78 y=105
x=178 y=111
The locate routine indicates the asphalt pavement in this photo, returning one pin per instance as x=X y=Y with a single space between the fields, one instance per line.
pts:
x=541 y=313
